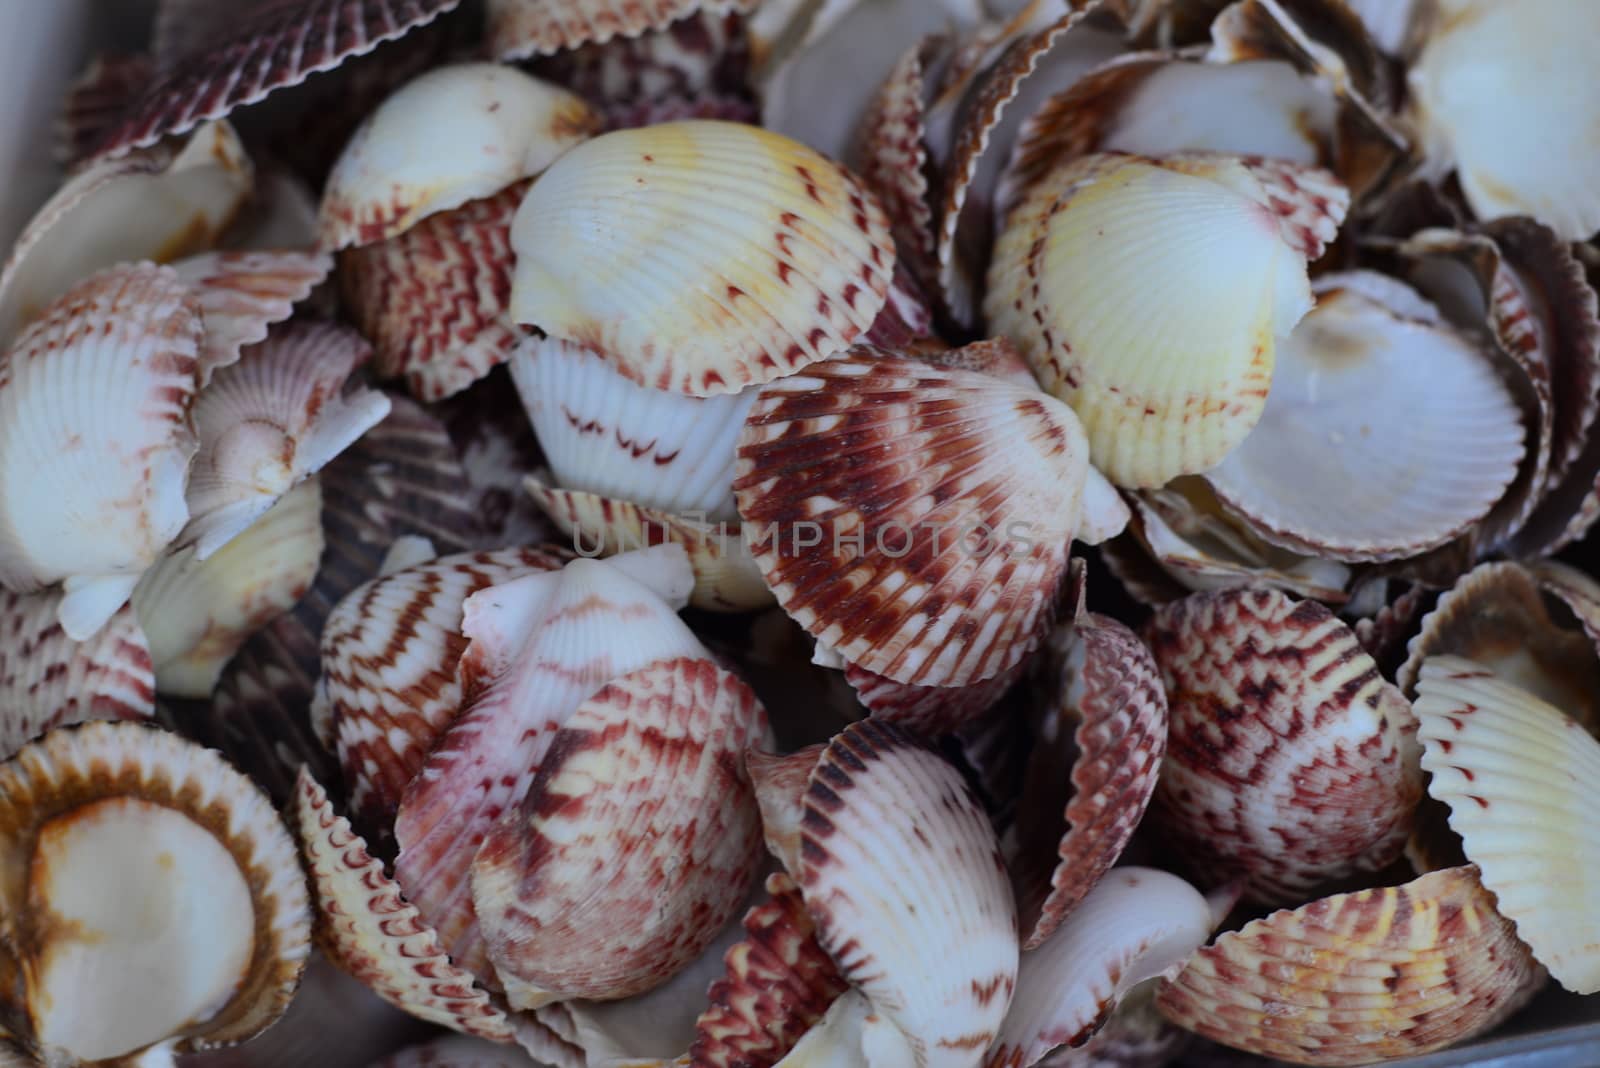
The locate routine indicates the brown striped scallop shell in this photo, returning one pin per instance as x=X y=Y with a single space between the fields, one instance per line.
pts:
x=930 y=711
x=1361 y=977
x=522 y=28
x=1290 y=761
x=932 y=555
x=892 y=154
x=241 y=294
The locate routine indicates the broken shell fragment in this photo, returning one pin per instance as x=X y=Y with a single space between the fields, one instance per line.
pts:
x=197 y=613
x=454 y=135
x=521 y=28
x=91 y=485
x=932 y=555
x=1516 y=773
x=1166 y=358
x=1362 y=977
x=130 y=851
x=270 y=421
x=1364 y=394
x=780 y=257
x=47 y=680
x=241 y=294
x=1290 y=761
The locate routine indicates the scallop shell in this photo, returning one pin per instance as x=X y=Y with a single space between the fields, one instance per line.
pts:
x=95 y=99
x=366 y=927
x=891 y=147
x=973 y=487
x=1098 y=779
x=1516 y=773
x=902 y=874
x=604 y=434
x=1184 y=392
x=640 y=815
x=272 y=420
x=433 y=299
x=522 y=28
x=129 y=851
x=930 y=711
x=726 y=578
x=159 y=204
x=780 y=786
x=390 y=648
x=92 y=486
x=778 y=984
x=797 y=265
x=1290 y=761
x=1137 y=924
x=1357 y=978
x=539 y=646
x=241 y=294
x=47 y=680
x=454 y=135
x=197 y=613
x=1364 y=396
x=280 y=47
x=1474 y=95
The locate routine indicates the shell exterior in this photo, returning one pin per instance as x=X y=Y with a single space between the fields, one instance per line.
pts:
x=366 y=927
x=1413 y=414
x=932 y=556
x=539 y=646
x=270 y=421
x=1362 y=977
x=902 y=874
x=604 y=434
x=281 y=47
x=159 y=204
x=930 y=711
x=1516 y=772
x=1135 y=925
x=220 y=931
x=790 y=259
x=1183 y=391
x=456 y=134
x=91 y=489
x=197 y=613
x=94 y=101
x=726 y=578
x=778 y=983
x=522 y=28
x=893 y=153
x=1290 y=760
x=47 y=680
x=1473 y=95
x=388 y=687
x=241 y=294
x=780 y=786
x=641 y=817
x=433 y=299
x=1110 y=698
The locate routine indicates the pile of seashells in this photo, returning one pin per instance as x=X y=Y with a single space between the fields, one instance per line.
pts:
x=717 y=683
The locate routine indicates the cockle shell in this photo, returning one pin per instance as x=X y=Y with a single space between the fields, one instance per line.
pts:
x=272 y=420
x=929 y=711
x=1183 y=391
x=1135 y=925
x=892 y=156
x=129 y=851
x=454 y=135
x=1474 y=93
x=433 y=299
x=390 y=648
x=91 y=488
x=1358 y=978
x=47 y=680
x=607 y=435
x=789 y=261
x=1290 y=760
x=94 y=101
x=900 y=870
x=522 y=28
x=158 y=204
x=539 y=646
x=640 y=814
x=367 y=928
x=197 y=613
x=241 y=294
x=1516 y=773
x=1364 y=395
x=932 y=555
x=281 y=47
x=780 y=786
